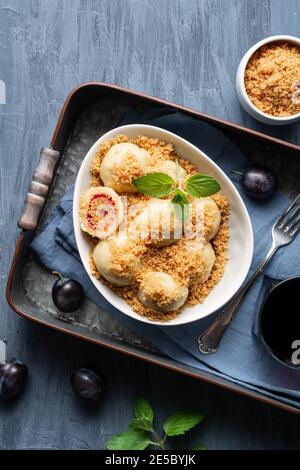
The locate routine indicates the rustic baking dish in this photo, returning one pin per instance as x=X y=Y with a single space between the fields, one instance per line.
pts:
x=89 y=111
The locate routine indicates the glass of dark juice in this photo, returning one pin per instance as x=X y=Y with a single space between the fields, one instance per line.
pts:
x=279 y=321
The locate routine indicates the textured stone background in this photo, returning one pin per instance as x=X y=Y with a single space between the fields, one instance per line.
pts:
x=186 y=51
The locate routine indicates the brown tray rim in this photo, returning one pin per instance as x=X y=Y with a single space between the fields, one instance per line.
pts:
x=192 y=111
x=141 y=355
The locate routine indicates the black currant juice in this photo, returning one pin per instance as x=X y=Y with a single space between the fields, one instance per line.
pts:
x=280 y=319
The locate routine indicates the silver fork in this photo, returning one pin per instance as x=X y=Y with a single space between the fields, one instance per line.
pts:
x=284 y=232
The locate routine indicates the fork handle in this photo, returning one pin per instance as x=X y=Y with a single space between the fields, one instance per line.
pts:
x=209 y=340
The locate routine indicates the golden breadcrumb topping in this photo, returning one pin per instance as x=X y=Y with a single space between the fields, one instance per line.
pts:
x=158 y=292
x=270 y=78
x=125 y=257
x=127 y=171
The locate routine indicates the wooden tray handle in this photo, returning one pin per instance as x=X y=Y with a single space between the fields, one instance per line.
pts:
x=38 y=189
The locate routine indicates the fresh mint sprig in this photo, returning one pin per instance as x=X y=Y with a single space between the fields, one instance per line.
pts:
x=161 y=185
x=141 y=433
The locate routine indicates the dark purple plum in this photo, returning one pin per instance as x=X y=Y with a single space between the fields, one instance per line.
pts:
x=88 y=385
x=13 y=377
x=259 y=182
x=67 y=294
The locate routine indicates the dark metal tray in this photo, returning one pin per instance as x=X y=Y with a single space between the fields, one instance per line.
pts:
x=91 y=110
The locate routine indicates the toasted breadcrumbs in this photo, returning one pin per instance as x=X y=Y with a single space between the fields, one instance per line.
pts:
x=125 y=259
x=271 y=76
x=184 y=266
x=129 y=170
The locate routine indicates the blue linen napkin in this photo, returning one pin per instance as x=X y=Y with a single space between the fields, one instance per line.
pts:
x=242 y=358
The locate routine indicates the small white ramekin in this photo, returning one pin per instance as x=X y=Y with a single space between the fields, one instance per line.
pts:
x=241 y=90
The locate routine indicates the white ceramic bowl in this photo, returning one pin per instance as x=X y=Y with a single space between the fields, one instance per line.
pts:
x=241 y=235
x=241 y=90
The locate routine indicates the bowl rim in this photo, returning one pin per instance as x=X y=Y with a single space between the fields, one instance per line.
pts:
x=241 y=78
x=142 y=128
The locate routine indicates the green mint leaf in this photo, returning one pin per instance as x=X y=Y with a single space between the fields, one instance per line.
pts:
x=140 y=425
x=129 y=440
x=181 y=422
x=181 y=203
x=200 y=447
x=154 y=184
x=143 y=410
x=200 y=185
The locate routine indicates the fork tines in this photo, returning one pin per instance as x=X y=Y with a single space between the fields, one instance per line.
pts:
x=289 y=221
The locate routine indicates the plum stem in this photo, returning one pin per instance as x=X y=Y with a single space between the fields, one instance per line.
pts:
x=236 y=172
x=62 y=279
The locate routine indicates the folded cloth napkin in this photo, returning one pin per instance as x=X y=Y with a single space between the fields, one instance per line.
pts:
x=242 y=358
